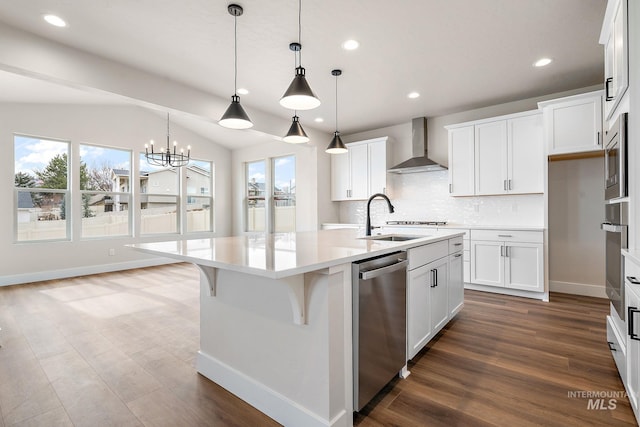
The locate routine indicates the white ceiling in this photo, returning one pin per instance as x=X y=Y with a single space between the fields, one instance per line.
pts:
x=459 y=54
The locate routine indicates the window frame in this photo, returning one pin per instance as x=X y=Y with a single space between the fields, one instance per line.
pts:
x=199 y=195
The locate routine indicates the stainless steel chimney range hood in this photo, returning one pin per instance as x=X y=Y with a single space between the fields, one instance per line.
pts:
x=419 y=162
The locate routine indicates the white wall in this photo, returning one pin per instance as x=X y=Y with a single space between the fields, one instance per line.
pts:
x=576 y=243
x=121 y=127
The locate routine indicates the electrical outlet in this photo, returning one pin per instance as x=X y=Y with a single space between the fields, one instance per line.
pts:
x=112 y=252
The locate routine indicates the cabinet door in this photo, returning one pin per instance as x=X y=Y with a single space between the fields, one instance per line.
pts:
x=620 y=56
x=439 y=294
x=358 y=160
x=377 y=167
x=487 y=265
x=526 y=155
x=491 y=158
x=340 y=176
x=633 y=350
x=575 y=125
x=609 y=74
x=461 y=161
x=523 y=266
x=418 y=316
x=456 y=284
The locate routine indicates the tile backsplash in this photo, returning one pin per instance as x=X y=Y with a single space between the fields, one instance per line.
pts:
x=425 y=197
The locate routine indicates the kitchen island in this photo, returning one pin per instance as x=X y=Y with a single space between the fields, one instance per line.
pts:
x=276 y=317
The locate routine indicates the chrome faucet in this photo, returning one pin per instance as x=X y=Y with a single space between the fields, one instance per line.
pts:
x=391 y=209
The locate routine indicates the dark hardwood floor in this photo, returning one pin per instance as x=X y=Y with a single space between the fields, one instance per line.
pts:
x=119 y=349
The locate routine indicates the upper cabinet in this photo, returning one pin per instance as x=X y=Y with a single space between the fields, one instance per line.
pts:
x=360 y=172
x=573 y=124
x=502 y=155
x=616 y=66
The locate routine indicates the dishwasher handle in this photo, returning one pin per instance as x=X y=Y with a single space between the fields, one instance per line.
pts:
x=370 y=274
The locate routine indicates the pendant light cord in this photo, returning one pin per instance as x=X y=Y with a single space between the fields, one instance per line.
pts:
x=235 y=54
x=336 y=103
x=299 y=53
x=168 y=134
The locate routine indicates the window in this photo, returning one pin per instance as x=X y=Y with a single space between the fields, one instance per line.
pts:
x=160 y=193
x=199 y=196
x=105 y=186
x=41 y=183
x=256 y=219
x=271 y=195
x=284 y=194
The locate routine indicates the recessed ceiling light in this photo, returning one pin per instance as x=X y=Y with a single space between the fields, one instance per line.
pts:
x=243 y=91
x=318 y=120
x=413 y=95
x=350 y=45
x=55 y=20
x=542 y=62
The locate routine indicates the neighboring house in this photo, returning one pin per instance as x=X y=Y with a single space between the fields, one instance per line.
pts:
x=26 y=208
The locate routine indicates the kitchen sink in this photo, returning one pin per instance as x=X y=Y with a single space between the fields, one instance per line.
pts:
x=393 y=237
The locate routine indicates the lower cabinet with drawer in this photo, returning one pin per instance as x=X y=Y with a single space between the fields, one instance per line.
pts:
x=511 y=259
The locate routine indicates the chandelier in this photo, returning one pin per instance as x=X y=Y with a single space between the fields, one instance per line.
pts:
x=165 y=157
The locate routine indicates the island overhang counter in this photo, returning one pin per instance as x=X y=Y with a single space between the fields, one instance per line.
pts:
x=276 y=317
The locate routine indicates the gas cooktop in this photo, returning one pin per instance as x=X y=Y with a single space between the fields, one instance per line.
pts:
x=416 y=222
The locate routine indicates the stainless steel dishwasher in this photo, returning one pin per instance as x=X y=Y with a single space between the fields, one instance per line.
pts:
x=379 y=323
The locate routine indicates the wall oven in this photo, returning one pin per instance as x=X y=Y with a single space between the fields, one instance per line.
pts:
x=615 y=160
x=615 y=226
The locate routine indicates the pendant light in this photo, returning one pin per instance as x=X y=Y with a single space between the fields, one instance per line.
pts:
x=235 y=117
x=165 y=157
x=336 y=146
x=299 y=95
x=296 y=134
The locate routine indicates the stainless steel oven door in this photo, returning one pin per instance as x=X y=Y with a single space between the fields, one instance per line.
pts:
x=616 y=239
x=615 y=160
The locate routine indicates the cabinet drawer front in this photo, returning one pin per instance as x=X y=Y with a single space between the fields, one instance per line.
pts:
x=455 y=245
x=508 y=235
x=422 y=255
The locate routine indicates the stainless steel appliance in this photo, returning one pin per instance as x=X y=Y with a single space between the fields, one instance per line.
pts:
x=616 y=240
x=615 y=163
x=379 y=323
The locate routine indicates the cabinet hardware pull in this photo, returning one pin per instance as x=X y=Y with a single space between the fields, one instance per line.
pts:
x=630 y=312
x=504 y=184
x=457 y=255
x=510 y=185
x=507 y=251
x=505 y=235
x=633 y=280
x=598 y=138
x=611 y=346
x=433 y=278
x=435 y=270
x=501 y=250
x=450 y=188
x=457 y=244
x=607 y=82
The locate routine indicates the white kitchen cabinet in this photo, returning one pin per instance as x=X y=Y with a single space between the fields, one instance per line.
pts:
x=614 y=37
x=633 y=344
x=461 y=161
x=507 y=153
x=435 y=291
x=360 y=172
x=491 y=158
x=456 y=284
x=573 y=124
x=507 y=259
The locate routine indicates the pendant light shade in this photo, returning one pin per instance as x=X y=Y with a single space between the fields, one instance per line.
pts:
x=336 y=146
x=296 y=134
x=235 y=117
x=299 y=95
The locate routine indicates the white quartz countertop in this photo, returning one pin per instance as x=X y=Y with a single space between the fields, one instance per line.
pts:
x=284 y=254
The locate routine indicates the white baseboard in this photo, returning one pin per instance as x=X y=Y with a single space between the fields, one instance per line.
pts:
x=275 y=405
x=39 y=276
x=578 y=289
x=543 y=296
